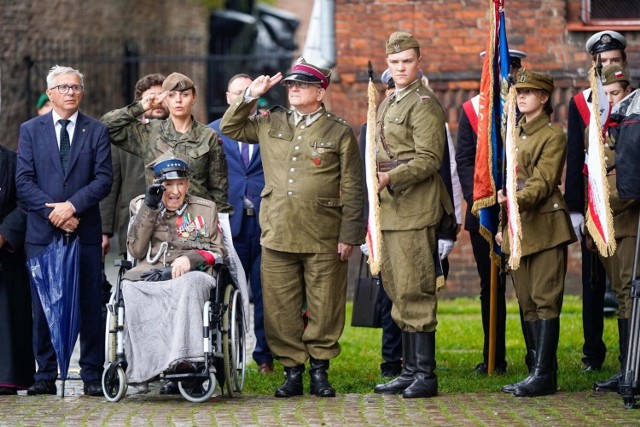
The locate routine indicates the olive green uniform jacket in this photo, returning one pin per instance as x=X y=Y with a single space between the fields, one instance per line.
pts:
x=182 y=230
x=200 y=147
x=414 y=131
x=314 y=195
x=544 y=217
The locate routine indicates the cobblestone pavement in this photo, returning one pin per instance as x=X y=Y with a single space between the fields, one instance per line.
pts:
x=487 y=409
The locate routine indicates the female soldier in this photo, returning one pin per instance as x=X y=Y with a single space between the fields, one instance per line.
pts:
x=619 y=266
x=546 y=230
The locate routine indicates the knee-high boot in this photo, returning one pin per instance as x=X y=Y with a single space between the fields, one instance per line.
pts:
x=399 y=384
x=611 y=384
x=425 y=382
x=530 y=333
x=543 y=379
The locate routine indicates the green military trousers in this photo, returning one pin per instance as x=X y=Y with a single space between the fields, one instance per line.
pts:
x=619 y=267
x=409 y=278
x=291 y=280
x=539 y=283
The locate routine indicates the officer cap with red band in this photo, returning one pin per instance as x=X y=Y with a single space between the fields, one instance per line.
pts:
x=302 y=71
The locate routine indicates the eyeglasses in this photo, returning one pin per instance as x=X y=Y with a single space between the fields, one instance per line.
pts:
x=301 y=85
x=64 y=89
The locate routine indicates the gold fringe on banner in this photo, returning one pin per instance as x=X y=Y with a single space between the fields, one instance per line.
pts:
x=374 y=234
x=605 y=237
x=513 y=211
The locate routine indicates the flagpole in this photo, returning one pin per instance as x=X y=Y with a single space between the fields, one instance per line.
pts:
x=493 y=317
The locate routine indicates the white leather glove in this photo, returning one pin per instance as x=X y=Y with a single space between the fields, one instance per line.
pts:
x=444 y=247
x=364 y=248
x=577 y=221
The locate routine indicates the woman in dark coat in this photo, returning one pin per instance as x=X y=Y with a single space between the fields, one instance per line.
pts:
x=17 y=364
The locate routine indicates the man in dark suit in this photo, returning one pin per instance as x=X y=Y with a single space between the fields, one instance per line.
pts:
x=246 y=181
x=63 y=171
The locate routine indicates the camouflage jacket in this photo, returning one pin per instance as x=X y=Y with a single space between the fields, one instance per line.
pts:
x=200 y=147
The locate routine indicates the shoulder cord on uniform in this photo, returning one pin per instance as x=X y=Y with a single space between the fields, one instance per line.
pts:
x=161 y=252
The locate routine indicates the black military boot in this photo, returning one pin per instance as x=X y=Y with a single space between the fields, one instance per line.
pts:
x=543 y=379
x=292 y=385
x=320 y=378
x=612 y=384
x=530 y=333
x=425 y=382
x=399 y=384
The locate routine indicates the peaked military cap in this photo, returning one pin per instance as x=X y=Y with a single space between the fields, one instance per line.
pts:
x=387 y=79
x=604 y=41
x=173 y=168
x=177 y=81
x=613 y=73
x=302 y=71
x=400 y=41
x=532 y=80
x=515 y=57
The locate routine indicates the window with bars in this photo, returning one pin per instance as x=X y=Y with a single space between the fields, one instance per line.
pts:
x=611 y=12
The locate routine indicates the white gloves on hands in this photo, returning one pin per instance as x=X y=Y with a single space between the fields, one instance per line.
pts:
x=444 y=247
x=577 y=221
x=364 y=248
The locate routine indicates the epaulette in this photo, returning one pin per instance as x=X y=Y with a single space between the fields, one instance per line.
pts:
x=424 y=94
x=338 y=119
x=195 y=200
x=279 y=108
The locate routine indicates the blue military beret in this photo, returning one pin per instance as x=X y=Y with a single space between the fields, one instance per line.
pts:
x=171 y=169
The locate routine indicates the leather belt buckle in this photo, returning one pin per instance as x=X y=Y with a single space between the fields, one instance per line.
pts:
x=250 y=211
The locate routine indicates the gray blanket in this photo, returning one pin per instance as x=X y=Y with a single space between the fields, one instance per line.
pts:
x=163 y=323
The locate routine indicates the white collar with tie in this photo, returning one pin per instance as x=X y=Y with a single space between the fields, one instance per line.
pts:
x=71 y=127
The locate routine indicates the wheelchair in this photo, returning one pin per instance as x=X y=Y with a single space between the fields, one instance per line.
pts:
x=223 y=343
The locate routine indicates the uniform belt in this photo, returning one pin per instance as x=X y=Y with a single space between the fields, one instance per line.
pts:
x=250 y=211
x=388 y=165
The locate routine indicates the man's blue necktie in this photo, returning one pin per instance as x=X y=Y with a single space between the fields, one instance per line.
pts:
x=65 y=144
x=245 y=154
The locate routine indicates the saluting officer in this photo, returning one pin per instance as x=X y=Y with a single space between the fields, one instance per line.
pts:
x=178 y=135
x=410 y=140
x=176 y=229
x=311 y=216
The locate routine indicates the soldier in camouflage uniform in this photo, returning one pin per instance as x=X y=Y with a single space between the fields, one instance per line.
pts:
x=311 y=215
x=180 y=135
x=410 y=142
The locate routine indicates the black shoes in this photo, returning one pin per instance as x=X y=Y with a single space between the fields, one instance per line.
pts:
x=483 y=369
x=320 y=379
x=390 y=369
x=93 y=388
x=292 y=385
x=170 y=387
x=5 y=391
x=42 y=387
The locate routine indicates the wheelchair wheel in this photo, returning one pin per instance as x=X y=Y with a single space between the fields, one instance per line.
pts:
x=195 y=391
x=110 y=337
x=114 y=384
x=233 y=342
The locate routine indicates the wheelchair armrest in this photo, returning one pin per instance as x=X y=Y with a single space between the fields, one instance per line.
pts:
x=123 y=263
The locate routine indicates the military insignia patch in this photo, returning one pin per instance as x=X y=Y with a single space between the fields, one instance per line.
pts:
x=396 y=47
x=316 y=161
x=182 y=85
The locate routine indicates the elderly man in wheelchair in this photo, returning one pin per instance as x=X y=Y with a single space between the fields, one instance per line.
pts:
x=178 y=245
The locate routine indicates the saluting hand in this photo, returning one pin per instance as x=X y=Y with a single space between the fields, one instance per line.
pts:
x=152 y=101
x=262 y=84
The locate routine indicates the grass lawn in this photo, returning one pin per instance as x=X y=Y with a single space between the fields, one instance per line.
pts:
x=458 y=349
